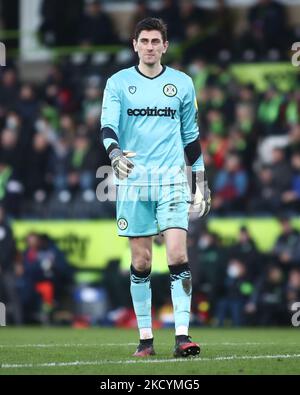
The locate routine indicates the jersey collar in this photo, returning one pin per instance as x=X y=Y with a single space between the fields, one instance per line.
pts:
x=151 y=78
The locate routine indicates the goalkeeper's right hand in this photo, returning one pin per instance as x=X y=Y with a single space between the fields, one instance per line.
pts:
x=120 y=163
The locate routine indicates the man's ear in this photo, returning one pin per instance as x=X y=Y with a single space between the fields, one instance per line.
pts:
x=134 y=43
x=166 y=46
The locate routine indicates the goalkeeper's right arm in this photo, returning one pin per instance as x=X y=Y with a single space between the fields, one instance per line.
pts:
x=120 y=163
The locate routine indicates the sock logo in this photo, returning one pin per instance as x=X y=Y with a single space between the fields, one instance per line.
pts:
x=152 y=112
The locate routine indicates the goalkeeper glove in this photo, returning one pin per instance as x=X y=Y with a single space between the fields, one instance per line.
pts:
x=120 y=163
x=201 y=199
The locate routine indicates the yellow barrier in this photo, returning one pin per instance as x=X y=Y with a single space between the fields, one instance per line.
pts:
x=91 y=244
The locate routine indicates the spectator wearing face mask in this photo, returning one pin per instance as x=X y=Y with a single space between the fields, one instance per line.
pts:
x=237 y=289
x=208 y=267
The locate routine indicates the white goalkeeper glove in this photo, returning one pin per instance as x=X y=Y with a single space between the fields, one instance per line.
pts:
x=120 y=163
x=201 y=196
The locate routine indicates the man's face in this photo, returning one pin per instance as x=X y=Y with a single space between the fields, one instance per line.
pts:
x=150 y=47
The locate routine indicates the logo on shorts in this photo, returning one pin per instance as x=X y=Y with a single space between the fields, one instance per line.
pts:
x=132 y=89
x=170 y=90
x=122 y=224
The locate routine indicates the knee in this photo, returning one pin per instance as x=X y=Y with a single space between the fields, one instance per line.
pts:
x=177 y=257
x=142 y=261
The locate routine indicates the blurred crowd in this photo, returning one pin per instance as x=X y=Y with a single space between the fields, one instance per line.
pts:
x=33 y=283
x=239 y=284
x=233 y=283
x=205 y=31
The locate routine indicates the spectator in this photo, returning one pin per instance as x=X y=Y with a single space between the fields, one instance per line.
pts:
x=266 y=30
x=267 y=20
x=46 y=279
x=291 y=197
x=266 y=197
x=27 y=105
x=237 y=290
x=57 y=269
x=245 y=249
x=8 y=89
x=287 y=246
x=230 y=186
x=191 y=13
x=141 y=12
x=82 y=163
x=208 y=267
x=281 y=171
x=10 y=152
x=170 y=14
x=38 y=167
x=269 y=112
x=268 y=301
x=293 y=287
x=60 y=158
x=294 y=138
x=96 y=27
x=10 y=190
x=57 y=22
x=8 y=290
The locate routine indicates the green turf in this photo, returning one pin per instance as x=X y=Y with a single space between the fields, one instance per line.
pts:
x=108 y=351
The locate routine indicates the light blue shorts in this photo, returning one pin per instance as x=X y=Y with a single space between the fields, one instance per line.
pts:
x=149 y=210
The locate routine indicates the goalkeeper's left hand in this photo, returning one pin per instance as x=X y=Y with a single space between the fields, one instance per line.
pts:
x=201 y=196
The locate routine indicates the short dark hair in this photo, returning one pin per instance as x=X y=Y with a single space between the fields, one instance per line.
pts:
x=151 y=24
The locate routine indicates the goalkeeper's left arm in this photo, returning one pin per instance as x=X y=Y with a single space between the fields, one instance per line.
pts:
x=201 y=196
x=201 y=200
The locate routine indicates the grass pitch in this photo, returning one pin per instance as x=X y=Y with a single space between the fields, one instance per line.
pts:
x=109 y=352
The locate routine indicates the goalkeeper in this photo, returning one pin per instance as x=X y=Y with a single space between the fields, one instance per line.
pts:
x=149 y=124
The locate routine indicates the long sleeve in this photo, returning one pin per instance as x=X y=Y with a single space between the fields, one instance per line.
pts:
x=110 y=116
x=190 y=130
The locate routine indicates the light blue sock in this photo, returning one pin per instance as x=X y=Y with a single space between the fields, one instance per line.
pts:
x=181 y=292
x=140 y=289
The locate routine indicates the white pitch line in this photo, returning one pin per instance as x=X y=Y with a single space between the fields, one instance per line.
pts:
x=147 y=361
x=132 y=344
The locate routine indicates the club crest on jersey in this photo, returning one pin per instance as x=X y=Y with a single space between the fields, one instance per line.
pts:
x=132 y=89
x=170 y=90
x=122 y=224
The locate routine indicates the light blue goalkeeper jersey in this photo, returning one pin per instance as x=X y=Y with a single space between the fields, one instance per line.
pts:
x=155 y=118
